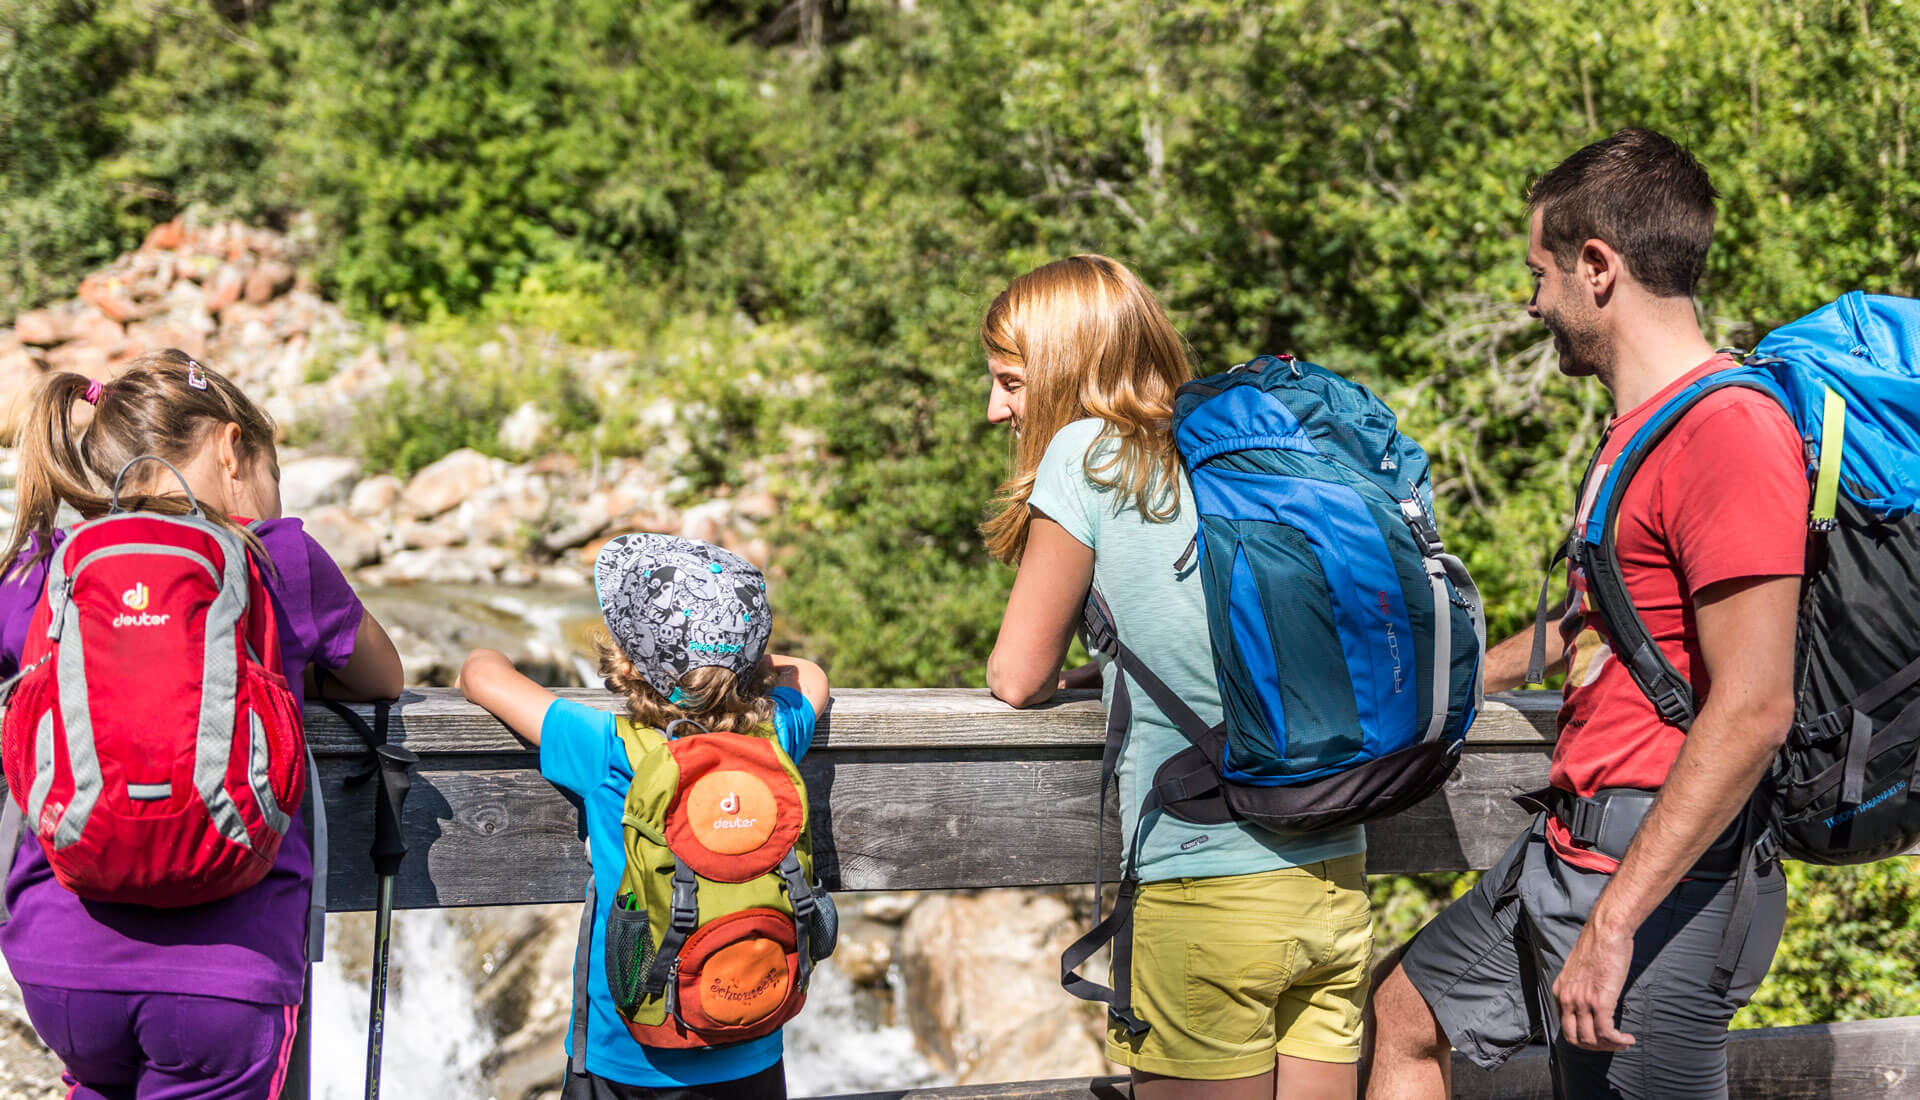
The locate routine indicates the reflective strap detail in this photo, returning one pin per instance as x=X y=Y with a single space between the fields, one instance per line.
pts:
x=10 y=829
x=1442 y=648
x=1470 y=592
x=220 y=690
x=582 y=958
x=1833 y=440
x=257 y=772
x=82 y=759
x=317 y=897
x=42 y=767
x=150 y=792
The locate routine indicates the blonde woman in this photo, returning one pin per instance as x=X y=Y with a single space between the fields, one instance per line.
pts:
x=1249 y=951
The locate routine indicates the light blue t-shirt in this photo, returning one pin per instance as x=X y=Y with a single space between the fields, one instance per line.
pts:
x=581 y=754
x=1162 y=616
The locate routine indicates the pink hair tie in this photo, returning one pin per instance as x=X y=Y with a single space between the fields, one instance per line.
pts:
x=92 y=396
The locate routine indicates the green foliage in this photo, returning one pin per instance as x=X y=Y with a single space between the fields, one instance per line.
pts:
x=1852 y=935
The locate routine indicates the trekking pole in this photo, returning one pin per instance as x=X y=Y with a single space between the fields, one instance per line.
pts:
x=389 y=848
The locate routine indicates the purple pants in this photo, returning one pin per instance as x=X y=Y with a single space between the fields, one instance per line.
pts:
x=163 y=1046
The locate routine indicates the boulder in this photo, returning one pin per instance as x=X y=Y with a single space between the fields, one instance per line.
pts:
x=45 y=327
x=349 y=540
x=446 y=483
x=376 y=495
x=268 y=281
x=166 y=236
x=308 y=483
x=81 y=359
x=226 y=286
x=525 y=428
x=983 y=972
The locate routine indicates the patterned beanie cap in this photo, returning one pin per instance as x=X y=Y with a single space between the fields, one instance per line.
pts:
x=674 y=605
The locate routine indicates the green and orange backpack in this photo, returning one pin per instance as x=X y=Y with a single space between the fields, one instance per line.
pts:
x=718 y=919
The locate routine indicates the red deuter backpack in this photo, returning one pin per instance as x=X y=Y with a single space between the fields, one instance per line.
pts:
x=151 y=739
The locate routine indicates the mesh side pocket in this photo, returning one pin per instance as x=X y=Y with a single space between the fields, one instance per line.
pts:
x=629 y=953
x=824 y=936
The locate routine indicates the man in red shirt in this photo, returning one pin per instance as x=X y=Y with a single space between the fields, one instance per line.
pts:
x=1605 y=940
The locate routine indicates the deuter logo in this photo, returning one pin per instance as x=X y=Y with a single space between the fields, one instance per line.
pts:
x=50 y=817
x=731 y=803
x=136 y=598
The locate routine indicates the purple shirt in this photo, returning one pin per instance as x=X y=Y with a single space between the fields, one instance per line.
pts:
x=249 y=947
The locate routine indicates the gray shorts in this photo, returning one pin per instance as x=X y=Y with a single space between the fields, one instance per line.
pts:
x=1487 y=964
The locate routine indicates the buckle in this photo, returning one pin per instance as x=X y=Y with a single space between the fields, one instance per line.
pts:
x=1097 y=625
x=1673 y=708
x=1422 y=526
x=1583 y=819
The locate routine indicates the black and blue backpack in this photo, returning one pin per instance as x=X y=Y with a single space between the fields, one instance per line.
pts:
x=1348 y=643
x=1848 y=374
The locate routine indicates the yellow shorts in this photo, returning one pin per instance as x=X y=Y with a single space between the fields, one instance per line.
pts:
x=1231 y=971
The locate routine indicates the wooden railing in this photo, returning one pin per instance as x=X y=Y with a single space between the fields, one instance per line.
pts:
x=947 y=789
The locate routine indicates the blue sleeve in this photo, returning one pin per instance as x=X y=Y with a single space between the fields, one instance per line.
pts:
x=574 y=742
x=1061 y=490
x=793 y=721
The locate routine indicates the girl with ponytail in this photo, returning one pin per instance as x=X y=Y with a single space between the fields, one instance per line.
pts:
x=201 y=1001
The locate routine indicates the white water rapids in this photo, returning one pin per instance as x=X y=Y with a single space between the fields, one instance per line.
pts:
x=435 y=1044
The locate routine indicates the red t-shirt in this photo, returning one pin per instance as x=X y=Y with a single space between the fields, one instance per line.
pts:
x=1723 y=496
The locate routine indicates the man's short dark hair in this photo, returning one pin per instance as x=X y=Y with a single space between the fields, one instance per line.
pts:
x=1643 y=194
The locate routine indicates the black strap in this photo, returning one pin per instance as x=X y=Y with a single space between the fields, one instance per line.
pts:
x=1537 y=663
x=582 y=960
x=800 y=894
x=1758 y=850
x=1884 y=692
x=392 y=765
x=683 y=918
x=1116 y=927
x=1668 y=691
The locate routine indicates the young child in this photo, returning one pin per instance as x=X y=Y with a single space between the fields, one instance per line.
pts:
x=197 y=1001
x=689 y=627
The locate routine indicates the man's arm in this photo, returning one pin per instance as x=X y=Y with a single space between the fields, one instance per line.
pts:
x=1746 y=629
x=1506 y=664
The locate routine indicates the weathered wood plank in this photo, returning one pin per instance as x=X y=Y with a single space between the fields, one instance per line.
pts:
x=936 y=812
x=437 y=721
x=1861 y=1060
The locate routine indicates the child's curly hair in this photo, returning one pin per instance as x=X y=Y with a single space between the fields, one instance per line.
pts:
x=714 y=698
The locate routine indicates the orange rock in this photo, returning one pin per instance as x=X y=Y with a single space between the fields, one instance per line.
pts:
x=268 y=281
x=20 y=375
x=42 y=327
x=225 y=287
x=100 y=330
x=157 y=335
x=166 y=236
x=87 y=359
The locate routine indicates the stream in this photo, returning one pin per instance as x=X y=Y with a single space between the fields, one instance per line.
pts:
x=438 y=1040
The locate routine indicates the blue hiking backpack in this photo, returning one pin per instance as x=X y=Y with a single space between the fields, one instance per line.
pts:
x=1848 y=374
x=1347 y=642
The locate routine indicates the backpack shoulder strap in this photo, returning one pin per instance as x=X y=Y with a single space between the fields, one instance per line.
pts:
x=1596 y=552
x=637 y=739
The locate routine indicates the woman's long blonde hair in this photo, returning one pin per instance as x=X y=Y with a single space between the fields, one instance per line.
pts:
x=1093 y=342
